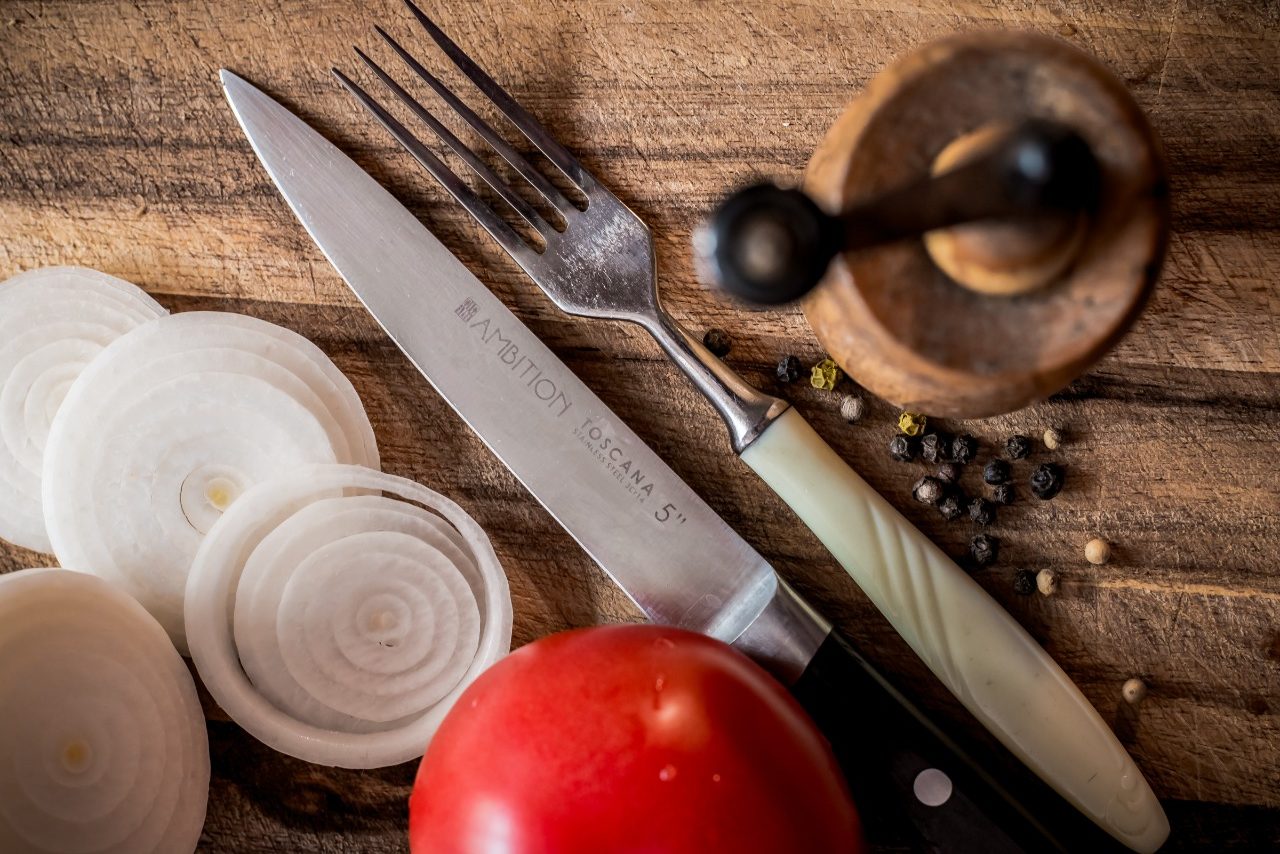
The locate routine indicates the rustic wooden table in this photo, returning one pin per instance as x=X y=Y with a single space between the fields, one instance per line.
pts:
x=117 y=151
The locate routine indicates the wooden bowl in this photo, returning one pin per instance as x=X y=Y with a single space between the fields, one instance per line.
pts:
x=902 y=327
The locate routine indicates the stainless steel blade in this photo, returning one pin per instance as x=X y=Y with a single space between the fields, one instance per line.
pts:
x=635 y=517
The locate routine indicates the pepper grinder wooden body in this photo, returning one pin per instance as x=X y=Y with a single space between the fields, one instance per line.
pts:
x=987 y=317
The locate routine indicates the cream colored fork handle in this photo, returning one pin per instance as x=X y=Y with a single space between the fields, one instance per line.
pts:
x=971 y=643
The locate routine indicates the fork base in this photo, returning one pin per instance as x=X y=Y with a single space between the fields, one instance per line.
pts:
x=747 y=411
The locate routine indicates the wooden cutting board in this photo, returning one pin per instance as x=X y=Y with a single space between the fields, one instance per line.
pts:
x=117 y=151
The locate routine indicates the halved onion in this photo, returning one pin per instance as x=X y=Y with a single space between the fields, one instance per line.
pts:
x=53 y=321
x=103 y=745
x=338 y=612
x=168 y=426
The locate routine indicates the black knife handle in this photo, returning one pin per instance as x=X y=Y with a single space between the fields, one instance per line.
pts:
x=893 y=755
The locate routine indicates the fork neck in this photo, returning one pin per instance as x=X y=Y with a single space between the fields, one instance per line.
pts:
x=746 y=410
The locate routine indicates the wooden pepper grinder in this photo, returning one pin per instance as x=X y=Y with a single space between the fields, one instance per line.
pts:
x=982 y=223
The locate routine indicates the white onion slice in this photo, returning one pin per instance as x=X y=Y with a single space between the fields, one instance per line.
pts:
x=173 y=421
x=103 y=745
x=53 y=321
x=337 y=613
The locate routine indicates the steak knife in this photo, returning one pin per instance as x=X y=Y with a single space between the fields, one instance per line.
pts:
x=652 y=534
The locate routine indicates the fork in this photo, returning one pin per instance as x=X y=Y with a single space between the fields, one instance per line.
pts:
x=601 y=264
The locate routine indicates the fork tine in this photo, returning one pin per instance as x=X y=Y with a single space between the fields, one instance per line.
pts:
x=518 y=115
x=494 y=224
x=481 y=168
x=480 y=126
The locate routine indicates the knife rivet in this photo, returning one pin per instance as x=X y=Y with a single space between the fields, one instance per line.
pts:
x=932 y=787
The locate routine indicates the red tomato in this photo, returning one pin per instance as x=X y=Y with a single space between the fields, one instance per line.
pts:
x=629 y=738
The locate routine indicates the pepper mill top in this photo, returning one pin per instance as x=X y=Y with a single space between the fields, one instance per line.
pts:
x=986 y=317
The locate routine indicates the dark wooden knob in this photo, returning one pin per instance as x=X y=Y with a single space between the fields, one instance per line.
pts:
x=770 y=245
x=986 y=317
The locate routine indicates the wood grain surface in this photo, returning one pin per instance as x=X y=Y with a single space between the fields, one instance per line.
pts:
x=118 y=152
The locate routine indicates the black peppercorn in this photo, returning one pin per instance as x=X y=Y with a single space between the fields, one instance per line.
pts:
x=935 y=447
x=948 y=473
x=789 y=369
x=982 y=511
x=951 y=508
x=717 y=341
x=1046 y=481
x=996 y=471
x=963 y=448
x=1017 y=447
x=1003 y=494
x=928 y=490
x=1024 y=582
x=983 y=549
x=903 y=448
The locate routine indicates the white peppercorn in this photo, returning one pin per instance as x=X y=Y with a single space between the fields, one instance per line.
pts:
x=1097 y=551
x=1047 y=582
x=1134 y=690
x=852 y=407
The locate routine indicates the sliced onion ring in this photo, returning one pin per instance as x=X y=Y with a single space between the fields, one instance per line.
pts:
x=103 y=745
x=337 y=613
x=53 y=321
x=168 y=425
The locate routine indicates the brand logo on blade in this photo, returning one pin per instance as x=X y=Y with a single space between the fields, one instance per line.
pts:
x=594 y=433
x=609 y=452
x=620 y=465
x=508 y=352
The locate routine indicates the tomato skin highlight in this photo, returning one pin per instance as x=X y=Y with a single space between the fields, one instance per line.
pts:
x=632 y=738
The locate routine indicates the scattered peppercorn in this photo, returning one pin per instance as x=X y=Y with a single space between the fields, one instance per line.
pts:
x=1052 y=438
x=912 y=423
x=1046 y=481
x=718 y=342
x=948 y=472
x=984 y=549
x=963 y=448
x=1134 y=690
x=1024 y=582
x=852 y=407
x=995 y=472
x=951 y=508
x=928 y=490
x=789 y=369
x=982 y=511
x=1017 y=447
x=1003 y=494
x=903 y=448
x=1047 y=582
x=1097 y=551
x=935 y=447
x=825 y=375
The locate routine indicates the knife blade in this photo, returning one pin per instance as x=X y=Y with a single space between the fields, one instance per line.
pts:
x=652 y=534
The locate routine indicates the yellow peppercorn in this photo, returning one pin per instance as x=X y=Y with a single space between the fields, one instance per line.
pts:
x=825 y=375
x=911 y=423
